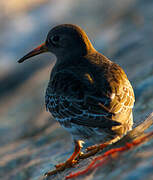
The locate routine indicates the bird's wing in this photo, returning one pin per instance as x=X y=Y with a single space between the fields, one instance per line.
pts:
x=71 y=101
x=122 y=96
x=111 y=108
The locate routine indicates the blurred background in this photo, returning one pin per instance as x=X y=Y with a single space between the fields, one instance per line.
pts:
x=31 y=142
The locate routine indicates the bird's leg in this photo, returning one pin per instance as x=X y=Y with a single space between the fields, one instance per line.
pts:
x=92 y=150
x=97 y=147
x=70 y=162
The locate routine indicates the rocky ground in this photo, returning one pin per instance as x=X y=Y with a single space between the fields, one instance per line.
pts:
x=31 y=142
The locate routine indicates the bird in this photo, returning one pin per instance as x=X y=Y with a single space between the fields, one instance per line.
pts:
x=88 y=94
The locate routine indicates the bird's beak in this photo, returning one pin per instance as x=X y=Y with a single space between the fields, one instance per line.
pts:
x=40 y=49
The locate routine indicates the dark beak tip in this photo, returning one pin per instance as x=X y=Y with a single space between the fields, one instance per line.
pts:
x=20 y=60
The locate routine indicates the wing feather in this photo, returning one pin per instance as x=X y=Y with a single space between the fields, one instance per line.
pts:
x=84 y=107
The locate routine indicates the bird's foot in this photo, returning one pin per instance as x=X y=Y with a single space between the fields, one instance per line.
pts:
x=97 y=147
x=66 y=164
x=70 y=162
x=92 y=150
x=88 y=154
x=61 y=167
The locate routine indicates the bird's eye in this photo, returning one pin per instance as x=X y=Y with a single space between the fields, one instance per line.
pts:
x=55 y=39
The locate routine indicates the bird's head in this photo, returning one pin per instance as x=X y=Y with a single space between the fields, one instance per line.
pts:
x=63 y=40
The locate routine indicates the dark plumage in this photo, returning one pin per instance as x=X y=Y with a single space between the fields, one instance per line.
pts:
x=87 y=94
